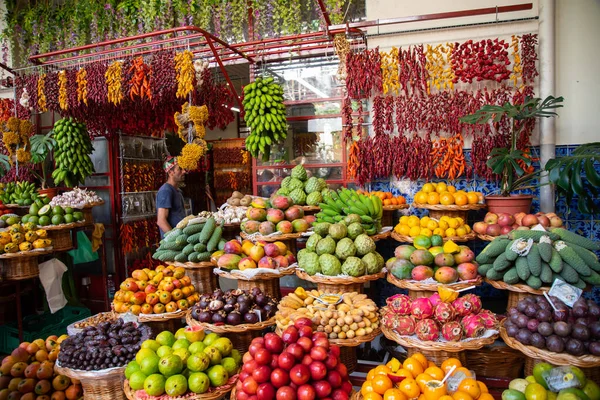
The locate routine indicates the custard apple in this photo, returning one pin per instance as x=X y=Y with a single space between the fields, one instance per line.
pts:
x=322 y=184
x=298 y=196
x=312 y=185
x=310 y=263
x=370 y=261
x=338 y=231
x=353 y=266
x=351 y=218
x=299 y=172
x=326 y=193
x=330 y=265
x=295 y=184
x=322 y=228
x=314 y=199
x=283 y=192
x=380 y=261
x=355 y=229
x=364 y=245
x=301 y=253
x=326 y=246
x=311 y=243
x=286 y=182
x=345 y=248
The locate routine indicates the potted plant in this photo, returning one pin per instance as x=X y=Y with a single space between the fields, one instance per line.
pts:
x=41 y=150
x=506 y=161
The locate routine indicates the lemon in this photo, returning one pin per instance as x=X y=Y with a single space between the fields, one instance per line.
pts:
x=405 y=230
x=461 y=231
x=468 y=229
x=450 y=232
x=413 y=221
x=403 y=220
x=431 y=225
x=453 y=223
x=439 y=231
x=443 y=224
x=426 y=232
x=428 y=188
x=414 y=231
x=424 y=221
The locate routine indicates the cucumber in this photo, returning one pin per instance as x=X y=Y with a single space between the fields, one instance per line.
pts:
x=511 y=277
x=483 y=269
x=534 y=260
x=181 y=257
x=534 y=282
x=207 y=231
x=531 y=234
x=571 y=237
x=192 y=229
x=522 y=268
x=199 y=247
x=214 y=239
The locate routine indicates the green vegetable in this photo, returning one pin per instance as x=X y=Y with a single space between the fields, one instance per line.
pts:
x=571 y=237
x=534 y=260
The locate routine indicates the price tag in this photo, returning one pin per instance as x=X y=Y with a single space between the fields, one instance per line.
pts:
x=559 y=378
x=136 y=203
x=564 y=292
x=257 y=312
x=455 y=380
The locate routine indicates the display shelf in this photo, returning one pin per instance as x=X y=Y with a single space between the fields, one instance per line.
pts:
x=137 y=217
x=140 y=159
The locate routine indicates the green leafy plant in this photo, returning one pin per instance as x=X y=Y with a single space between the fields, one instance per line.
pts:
x=505 y=160
x=4 y=164
x=41 y=149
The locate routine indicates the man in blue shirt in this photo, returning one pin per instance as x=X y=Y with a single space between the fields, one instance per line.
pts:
x=169 y=199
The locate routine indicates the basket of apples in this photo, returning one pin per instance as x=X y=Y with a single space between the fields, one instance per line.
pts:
x=494 y=225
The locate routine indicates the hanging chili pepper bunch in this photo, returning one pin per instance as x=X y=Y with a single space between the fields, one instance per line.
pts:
x=364 y=74
x=529 y=57
x=140 y=177
x=438 y=67
x=389 y=72
x=413 y=73
x=228 y=156
x=219 y=100
x=517 y=71
x=347 y=118
x=447 y=157
x=114 y=76
x=365 y=168
x=7 y=109
x=353 y=160
x=163 y=79
x=15 y=137
x=400 y=147
x=184 y=65
x=418 y=164
x=82 y=82
x=41 y=95
x=479 y=60
x=127 y=238
x=63 y=100
x=140 y=80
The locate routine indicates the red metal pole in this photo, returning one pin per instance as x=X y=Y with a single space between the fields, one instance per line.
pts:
x=323 y=8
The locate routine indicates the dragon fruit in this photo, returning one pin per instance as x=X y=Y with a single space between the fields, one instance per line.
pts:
x=435 y=299
x=389 y=318
x=444 y=312
x=400 y=304
x=473 y=325
x=452 y=331
x=427 y=330
x=468 y=304
x=489 y=319
x=405 y=325
x=421 y=308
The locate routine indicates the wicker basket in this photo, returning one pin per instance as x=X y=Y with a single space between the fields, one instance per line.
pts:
x=486 y=238
x=288 y=239
x=88 y=217
x=418 y=289
x=61 y=239
x=73 y=330
x=396 y=207
x=380 y=236
x=18 y=268
x=439 y=356
x=585 y=361
x=332 y=284
x=201 y=275
x=348 y=358
x=516 y=292
x=592 y=373
x=407 y=239
x=450 y=347
x=163 y=322
x=212 y=394
x=499 y=361
x=453 y=207
x=98 y=385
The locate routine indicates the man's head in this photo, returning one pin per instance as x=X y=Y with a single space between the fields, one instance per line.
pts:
x=174 y=172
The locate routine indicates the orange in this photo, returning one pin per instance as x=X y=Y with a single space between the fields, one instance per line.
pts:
x=436 y=372
x=470 y=386
x=382 y=369
x=401 y=200
x=413 y=365
x=433 y=198
x=421 y=198
x=441 y=187
x=460 y=395
x=372 y=396
x=431 y=364
x=485 y=396
x=428 y=188
x=446 y=397
x=381 y=383
x=371 y=375
x=446 y=199
x=404 y=372
x=367 y=387
x=394 y=394
x=387 y=202
x=463 y=370
x=472 y=197
x=449 y=363
x=422 y=379
x=460 y=199
x=451 y=189
x=421 y=358
x=410 y=388
x=482 y=387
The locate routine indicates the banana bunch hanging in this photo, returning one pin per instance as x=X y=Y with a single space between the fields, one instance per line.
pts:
x=265 y=115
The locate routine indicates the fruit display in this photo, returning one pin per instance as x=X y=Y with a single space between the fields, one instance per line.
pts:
x=245 y=255
x=275 y=215
x=47 y=215
x=438 y=193
x=189 y=361
x=238 y=199
x=550 y=382
x=576 y=331
x=23 y=238
x=96 y=320
x=301 y=365
x=28 y=372
x=337 y=205
x=387 y=198
x=162 y=290
x=418 y=377
x=227 y=215
x=72 y=152
x=76 y=198
x=340 y=249
x=340 y=316
x=234 y=307
x=8 y=219
x=537 y=257
x=435 y=318
x=503 y=223
x=107 y=345
x=302 y=189
x=446 y=226
x=194 y=242
x=447 y=263
x=264 y=113
x=20 y=193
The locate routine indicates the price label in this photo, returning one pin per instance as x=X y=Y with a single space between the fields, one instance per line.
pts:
x=136 y=203
x=560 y=378
x=455 y=380
x=564 y=292
x=257 y=312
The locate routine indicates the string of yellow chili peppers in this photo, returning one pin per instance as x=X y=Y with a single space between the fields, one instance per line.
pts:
x=342 y=48
x=114 y=75
x=16 y=139
x=41 y=96
x=62 y=90
x=81 y=78
x=517 y=72
x=184 y=65
x=389 y=72
x=191 y=154
x=440 y=70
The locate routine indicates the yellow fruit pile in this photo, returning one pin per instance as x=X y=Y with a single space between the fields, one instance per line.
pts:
x=418 y=378
x=434 y=193
x=446 y=227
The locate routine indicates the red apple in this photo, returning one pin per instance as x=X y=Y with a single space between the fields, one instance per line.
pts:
x=290 y=335
x=306 y=343
x=241 y=395
x=286 y=393
x=250 y=366
x=242 y=377
x=273 y=343
x=261 y=374
x=317 y=335
x=544 y=221
x=302 y=321
x=339 y=394
x=318 y=371
x=286 y=360
x=305 y=331
x=335 y=350
x=335 y=379
x=296 y=350
x=279 y=377
x=254 y=347
x=247 y=357
x=506 y=229
x=265 y=391
x=341 y=368
x=318 y=353
x=491 y=218
x=307 y=360
x=480 y=227
x=322 y=342
x=331 y=362
x=347 y=387
x=259 y=340
x=274 y=361
x=323 y=389
x=263 y=356
x=250 y=386
x=519 y=217
x=529 y=220
x=493 y=230
x=505 y=219
x=299 y=374
x=306 y=392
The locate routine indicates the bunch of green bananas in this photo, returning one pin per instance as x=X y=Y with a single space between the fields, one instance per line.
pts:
x=345 y=201
x=72 y=152
x=265 y=115
x=21 y=193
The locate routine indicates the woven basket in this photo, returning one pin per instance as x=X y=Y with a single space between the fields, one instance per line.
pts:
x=275 y=238
x=267 y=286
x=332 y=284
x=585 y=361
x=380 y=236
x=450 y=347
x=201 y=275
x=348 y=358
x=408 y=239
x=516 y=292
x=486 y=238
x=238 y=275
x=453 y=207
x=212 y=394
x=310 y=210
x=88 y=217
x=98 y=385
x=163 y=322
x=396 y=207
x=14 y=269
x=429 y=287
x=496 y=361
x=61 y=239
x=73 y=329
x=591 y=373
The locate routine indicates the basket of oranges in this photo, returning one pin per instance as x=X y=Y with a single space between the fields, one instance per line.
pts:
x=442 y=199
x=446 y=227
